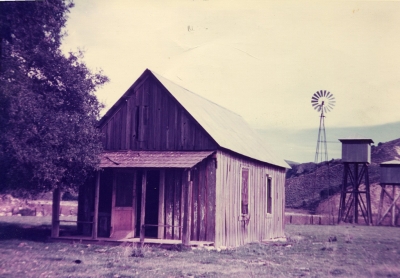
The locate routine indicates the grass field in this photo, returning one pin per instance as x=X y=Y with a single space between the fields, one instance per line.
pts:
x=313 y=251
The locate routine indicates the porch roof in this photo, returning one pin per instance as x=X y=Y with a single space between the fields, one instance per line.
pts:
x=152 y=159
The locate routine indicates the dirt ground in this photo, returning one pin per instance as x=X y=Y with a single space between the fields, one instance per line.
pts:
x=313 y=251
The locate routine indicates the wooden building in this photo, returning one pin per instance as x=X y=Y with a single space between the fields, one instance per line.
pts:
x=178 y=167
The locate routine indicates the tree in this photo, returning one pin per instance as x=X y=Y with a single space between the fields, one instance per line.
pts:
x=48 y=110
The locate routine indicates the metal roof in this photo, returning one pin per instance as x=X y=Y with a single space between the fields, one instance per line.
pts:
x=152 y=159
x=227 y=128
x=356 y=137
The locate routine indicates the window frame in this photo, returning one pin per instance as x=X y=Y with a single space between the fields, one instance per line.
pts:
x=269 y=195
x=242 y=169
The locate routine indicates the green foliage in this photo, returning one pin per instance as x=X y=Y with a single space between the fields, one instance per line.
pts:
x=48 y=110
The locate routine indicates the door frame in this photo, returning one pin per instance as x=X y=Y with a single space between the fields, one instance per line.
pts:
x=115 y=209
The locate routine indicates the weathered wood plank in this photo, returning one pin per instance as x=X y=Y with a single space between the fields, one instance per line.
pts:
x=194 y=209
x=176 y=204
x=135 y=128
x=128 y=125
x=187 y=207
x=123 y=130
x=143 y=207
x=169 y=193
x=109 y=138
x=202 y=201
x=161 y=204
x=211 y=199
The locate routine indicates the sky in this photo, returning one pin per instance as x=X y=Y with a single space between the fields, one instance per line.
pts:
x=261 y=59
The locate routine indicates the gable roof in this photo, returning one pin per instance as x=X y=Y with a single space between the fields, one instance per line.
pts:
x=228 y=129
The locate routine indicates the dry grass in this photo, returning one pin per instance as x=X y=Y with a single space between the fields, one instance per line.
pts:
x=314 y=251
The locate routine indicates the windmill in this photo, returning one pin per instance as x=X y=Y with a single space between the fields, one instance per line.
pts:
x=322 y=101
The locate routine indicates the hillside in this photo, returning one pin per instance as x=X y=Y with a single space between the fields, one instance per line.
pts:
x=299 y=145
x=308 y=184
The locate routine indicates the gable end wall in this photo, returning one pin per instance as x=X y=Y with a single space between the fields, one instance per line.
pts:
x=151 y=119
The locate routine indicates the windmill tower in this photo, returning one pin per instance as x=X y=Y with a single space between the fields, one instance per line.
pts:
x=356 y=156
x=322 y=101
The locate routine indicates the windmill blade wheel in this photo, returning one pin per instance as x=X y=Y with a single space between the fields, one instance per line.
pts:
x=323 y=100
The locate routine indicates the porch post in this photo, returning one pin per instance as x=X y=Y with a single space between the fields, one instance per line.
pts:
x=55 y=216
x=187 y=210
x=143 y=207
x=134 y=203
x=161 y=205
x=113 y=200
x=96 y=206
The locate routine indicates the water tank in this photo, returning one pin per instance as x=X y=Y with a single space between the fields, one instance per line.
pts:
x=356 y=150
x=390 y=172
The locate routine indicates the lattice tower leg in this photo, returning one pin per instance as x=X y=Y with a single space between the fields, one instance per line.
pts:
x=351 y=201
x=393 y=199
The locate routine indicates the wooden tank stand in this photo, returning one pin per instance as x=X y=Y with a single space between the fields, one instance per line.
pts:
x=351 y=201
x=390 y=180
x=389 y=191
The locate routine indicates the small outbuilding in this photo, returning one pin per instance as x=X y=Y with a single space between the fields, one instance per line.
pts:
x=179 y=168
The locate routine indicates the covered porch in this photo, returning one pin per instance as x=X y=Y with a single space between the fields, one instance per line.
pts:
x=140 y=198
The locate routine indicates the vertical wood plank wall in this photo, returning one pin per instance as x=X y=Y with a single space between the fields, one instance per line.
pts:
x=229 y=226
x=151 y=119
x=202 y=226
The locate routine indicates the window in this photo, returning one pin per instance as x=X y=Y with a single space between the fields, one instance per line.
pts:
x=245 y=191
x=269 y=195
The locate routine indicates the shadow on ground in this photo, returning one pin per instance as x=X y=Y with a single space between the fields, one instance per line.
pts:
x=24 y=232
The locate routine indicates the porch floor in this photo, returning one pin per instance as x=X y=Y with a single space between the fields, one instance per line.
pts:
x=149 y=241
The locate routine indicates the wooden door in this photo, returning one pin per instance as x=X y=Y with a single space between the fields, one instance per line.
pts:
x=123 y=205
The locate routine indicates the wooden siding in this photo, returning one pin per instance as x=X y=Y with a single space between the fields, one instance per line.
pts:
x=233 y=228
x=390 y=174
x=151 y=119
x=202 y=223
x=356 y=152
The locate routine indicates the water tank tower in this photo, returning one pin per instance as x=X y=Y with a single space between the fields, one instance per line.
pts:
x=354 y=201
x=390 y=181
